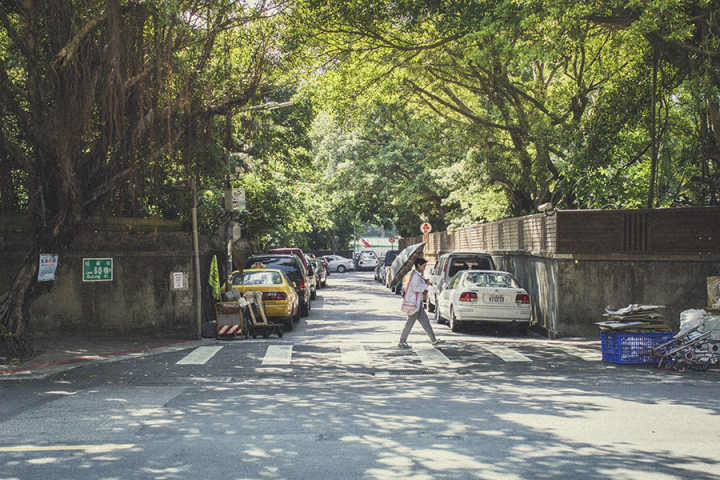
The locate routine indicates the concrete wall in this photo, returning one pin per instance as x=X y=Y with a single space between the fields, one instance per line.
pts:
x=539 y=276
x=587 y=286
x=570 y=293
x=139 y=299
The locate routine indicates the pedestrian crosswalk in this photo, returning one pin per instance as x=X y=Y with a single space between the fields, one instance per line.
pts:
x=199 y=356
x=388 y=356
x=507 y=354
x=278 y=355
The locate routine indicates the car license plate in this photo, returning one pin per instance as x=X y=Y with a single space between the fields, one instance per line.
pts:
x=496 y=299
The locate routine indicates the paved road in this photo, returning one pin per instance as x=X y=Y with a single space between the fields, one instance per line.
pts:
x=337 y=399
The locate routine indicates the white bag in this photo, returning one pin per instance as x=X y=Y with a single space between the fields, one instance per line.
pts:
x=408 y=306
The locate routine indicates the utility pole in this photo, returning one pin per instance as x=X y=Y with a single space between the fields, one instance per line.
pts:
x=653 y=134
x=196 y=248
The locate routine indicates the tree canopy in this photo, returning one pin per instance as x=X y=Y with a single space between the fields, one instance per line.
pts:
x=334 y=113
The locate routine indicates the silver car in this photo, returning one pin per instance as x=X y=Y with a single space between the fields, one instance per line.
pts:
x=339 y=264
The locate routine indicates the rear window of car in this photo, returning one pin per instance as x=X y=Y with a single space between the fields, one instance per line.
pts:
x=289 y=265
x=258 y=278
x=470 y=263
x=496 y=280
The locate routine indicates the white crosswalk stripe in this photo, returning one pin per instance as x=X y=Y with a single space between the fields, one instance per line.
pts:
x=278 y=355
x=354 y=354
x=385 y=355
x=199 y=356
x=583 y=353
x=506 y=354
x=431 y=356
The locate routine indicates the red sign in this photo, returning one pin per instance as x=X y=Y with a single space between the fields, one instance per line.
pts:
x=392 y=239
x=364 y=242
x=425 y=228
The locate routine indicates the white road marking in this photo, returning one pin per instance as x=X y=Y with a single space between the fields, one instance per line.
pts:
x=353 y=354
x=99 y=448
x=199 y=356
x=506 y=354
x=585 y=354
x=278 y=355
x=432 y=356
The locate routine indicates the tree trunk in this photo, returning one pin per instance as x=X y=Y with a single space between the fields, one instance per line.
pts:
x=14 y=308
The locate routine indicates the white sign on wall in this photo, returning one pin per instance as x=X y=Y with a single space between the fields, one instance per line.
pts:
x=238 y=199
x=48 y=265
x=178 y=281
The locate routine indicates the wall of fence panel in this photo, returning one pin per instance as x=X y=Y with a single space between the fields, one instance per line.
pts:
x=671 y=231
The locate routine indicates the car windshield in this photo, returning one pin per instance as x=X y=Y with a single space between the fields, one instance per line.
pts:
x=258 y=278
x=487 y=279
x=287 y=264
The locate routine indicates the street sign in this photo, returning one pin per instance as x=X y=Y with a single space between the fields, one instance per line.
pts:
x=178 y=281
x=238 y=199
x=391 y=239
x=47 y=266
x=425 y=228
x=97 y=269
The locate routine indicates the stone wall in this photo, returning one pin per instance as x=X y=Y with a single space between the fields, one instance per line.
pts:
x=587 y=285
x=570 y=294
x=139 y=299
x=539 y=276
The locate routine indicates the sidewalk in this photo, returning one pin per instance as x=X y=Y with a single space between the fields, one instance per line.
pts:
x=56 y=354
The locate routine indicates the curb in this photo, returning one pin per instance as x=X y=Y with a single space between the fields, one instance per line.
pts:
x=26 y=371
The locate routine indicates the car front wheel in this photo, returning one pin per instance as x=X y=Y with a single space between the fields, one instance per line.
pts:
x=341 y=269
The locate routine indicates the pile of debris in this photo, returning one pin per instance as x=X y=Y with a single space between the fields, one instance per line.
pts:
x=635 y=318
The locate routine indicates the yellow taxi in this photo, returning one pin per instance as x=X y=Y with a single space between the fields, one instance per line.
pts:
x=279 y=295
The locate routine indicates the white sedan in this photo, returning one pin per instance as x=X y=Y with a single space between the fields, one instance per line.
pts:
x=339 y=264
x=483 y=296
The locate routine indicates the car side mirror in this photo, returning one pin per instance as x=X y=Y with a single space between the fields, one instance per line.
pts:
x=294 y=285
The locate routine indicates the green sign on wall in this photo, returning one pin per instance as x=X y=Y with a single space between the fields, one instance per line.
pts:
x=97 y=269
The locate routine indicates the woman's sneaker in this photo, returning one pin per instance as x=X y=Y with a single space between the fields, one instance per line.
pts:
x=403 y=345
x=438 y=342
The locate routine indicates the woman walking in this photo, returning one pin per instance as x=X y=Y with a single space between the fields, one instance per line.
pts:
x=412 y=304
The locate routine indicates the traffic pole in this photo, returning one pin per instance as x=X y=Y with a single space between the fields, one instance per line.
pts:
x=196 y=248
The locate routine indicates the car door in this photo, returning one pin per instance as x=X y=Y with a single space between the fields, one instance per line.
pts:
x=435 y=278
x=440 y=281
x=434 y=273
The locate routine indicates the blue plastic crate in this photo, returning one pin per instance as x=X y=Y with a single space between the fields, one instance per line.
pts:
x=630 y=348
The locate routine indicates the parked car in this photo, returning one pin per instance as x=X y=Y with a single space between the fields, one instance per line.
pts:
x=280 y=299
x=339 y=264
x=390 y=256
x=483 y=296
x=448 y=265
x=379 y=272
x=294 y=270
x=324 y=262
x=366 y=261
x=320 y=272
x=306 y=263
